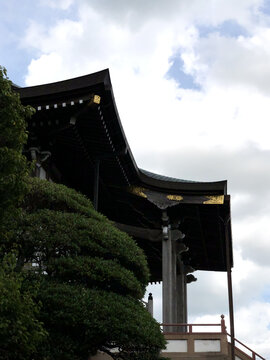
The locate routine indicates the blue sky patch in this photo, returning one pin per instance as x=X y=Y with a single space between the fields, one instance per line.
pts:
x=265 y=8
x=266 y=294
x=13 y=25
x=229 y=28
x=176 y=72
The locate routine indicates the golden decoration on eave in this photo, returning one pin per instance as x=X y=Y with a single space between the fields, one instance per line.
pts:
x=215 y=199
x=94 y=99
x=139 y=191
x=175 y=197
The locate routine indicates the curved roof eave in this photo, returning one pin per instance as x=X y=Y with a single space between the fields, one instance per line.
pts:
x=66 y=86
x=169 y=183
x=102 y=78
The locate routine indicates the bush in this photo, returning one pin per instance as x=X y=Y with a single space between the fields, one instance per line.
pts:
x=92 y=277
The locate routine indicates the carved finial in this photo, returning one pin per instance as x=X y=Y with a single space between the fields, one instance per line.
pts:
x=223 y=326
x=182 y=248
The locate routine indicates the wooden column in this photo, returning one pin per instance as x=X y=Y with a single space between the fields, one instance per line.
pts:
x=174 y=283
x=168 y=279
x=181 y=296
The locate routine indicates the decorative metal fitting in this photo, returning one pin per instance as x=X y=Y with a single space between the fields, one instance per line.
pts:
x=182 y=248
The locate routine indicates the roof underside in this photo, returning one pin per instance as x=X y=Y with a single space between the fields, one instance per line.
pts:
x=79 y=132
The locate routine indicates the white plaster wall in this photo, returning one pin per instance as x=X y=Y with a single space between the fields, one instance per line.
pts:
x=176 y=346
x=207 y=345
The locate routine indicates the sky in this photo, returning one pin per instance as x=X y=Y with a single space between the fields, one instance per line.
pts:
x=191 y=80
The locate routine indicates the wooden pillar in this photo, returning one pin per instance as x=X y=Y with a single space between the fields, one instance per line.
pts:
x=181 y=296
x=230 y=291
x=174 y=283
x=185 y=300
x=168 y=279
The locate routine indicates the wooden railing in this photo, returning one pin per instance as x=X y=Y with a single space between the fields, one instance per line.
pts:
x=254 y=354
x=189 y=329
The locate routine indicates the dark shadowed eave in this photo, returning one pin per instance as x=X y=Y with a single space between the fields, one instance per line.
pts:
x=169 y=183
x=65 y=88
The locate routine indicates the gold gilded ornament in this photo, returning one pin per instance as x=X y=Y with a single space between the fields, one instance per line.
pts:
x=139 y=191
x=215 y=199
x=175 y=197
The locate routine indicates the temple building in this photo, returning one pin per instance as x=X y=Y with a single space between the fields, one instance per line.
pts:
x=77 y=139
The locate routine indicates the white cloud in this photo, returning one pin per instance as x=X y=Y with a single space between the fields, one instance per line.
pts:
x=214 y=12
x=230 y=62
x=253 y=238
x=251 y=326
x=59 y=4
x=53 y=61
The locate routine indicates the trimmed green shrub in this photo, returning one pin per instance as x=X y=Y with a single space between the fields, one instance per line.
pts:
x=92 y=277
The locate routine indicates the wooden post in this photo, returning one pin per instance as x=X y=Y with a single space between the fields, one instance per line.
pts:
x=181 y=301
x=230 y=295
x=223 y=326
x=168 y=275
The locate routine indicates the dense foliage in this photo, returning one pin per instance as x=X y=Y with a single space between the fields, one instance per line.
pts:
x=20 y=331
x=13 y=165
x=91 y=275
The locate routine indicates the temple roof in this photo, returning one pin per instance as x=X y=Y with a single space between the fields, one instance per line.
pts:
x=77 y=121
x=165 y=178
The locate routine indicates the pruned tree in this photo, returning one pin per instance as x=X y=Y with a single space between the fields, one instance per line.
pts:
x=20 y=331
x=92 y=278
x=13 y=165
